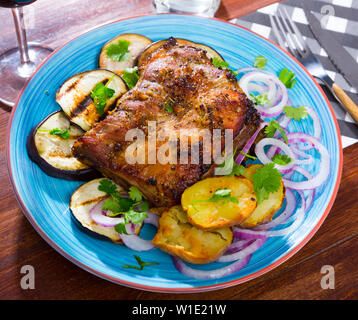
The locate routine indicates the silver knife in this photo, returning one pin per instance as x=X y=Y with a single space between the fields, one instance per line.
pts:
x=343 y=61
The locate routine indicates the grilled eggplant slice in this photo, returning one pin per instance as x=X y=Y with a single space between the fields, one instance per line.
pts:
x=74 y=96
x=147 y=52
x=137 y=45
x=267 y=208
x=53 y=154
x=219 y=202
x=178 y=237
x=83 y=200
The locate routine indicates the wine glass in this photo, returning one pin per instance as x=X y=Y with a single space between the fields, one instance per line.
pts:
x=18 y=64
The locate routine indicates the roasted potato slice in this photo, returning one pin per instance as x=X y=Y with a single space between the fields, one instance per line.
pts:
x=178 y=237
x=83 y=200
x=207 y=214
x=267 y=208
x=136 y=46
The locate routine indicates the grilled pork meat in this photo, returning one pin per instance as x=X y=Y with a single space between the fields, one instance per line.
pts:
x=178 y=88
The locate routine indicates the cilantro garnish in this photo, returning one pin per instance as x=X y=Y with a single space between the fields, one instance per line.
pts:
x=220 y=194
x=295 y=113
x=131 y=77
x=261 y=100
x=248 y=156
x=141 y=264
x=135 y=194
x=169 y=108
x=236 y=169
x=260 y=62
x=288 y=78
x=64 y=133
x=118 y=51
x=281 y=159
x=100 y=94
x=270 y=130
x=266 y=180
x=132 y=209
x=223 y=64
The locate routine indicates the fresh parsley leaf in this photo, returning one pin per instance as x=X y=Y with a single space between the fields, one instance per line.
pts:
x=134 y=216
x=141 y=264
x=112 y=205
x=121 y=228
x=107 y=186
x=248 y=156
x=261 y=100
x=288 y=78
x=131 y=77
x=223 y=64
x=270 y=130
x=266 y=180
x=64 y=134
x=295 y=113
x=281 y=159
x=229 y=162
x=169 y=108
x=118 y=51
x=100 y=94
x=220 y=194
x=135 y=194
x=260 y=62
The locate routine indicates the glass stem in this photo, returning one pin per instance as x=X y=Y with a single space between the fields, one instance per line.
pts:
x=21 y=34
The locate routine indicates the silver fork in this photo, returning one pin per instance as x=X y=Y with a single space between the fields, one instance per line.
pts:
x=294 y=43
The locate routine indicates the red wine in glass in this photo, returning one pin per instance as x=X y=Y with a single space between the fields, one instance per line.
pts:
x=17 y=64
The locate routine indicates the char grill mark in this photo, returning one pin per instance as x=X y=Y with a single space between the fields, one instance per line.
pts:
x=201 y=96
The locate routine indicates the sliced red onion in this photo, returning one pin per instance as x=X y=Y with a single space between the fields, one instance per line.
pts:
x=134 y=242
x=324 y=169
x=260 y=153
x=279 y=96
x=247 y=233
x=237 y=246
x=249 y=143
x=316 y=122
x=308 y=159
x=242 y=253
x=311 y=193
x=99 y=216
x=289 y=209
x=210 y=274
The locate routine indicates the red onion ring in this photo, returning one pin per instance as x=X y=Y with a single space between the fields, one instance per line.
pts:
x=260 y=153
x=250 y=249
x=249 y=143
x=247 y=233
x=210 y=274
x=134 y=242
x=237 y=246
x=99 y=216
x=324 y=169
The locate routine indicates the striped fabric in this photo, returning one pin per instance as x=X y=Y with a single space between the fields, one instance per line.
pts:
x=341 y=18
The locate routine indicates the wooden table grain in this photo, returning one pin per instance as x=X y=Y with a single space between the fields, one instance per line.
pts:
x=335 y=244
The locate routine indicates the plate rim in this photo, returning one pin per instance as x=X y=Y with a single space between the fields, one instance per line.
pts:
x=198 y=289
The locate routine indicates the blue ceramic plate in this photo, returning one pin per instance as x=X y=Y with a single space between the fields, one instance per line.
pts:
x=45 y=200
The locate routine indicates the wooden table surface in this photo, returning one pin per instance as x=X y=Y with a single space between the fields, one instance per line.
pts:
x=334 y=244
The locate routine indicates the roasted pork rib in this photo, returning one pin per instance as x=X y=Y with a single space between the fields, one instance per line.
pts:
x=178 y=88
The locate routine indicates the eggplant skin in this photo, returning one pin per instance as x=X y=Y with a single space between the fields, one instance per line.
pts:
x=72 y=175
